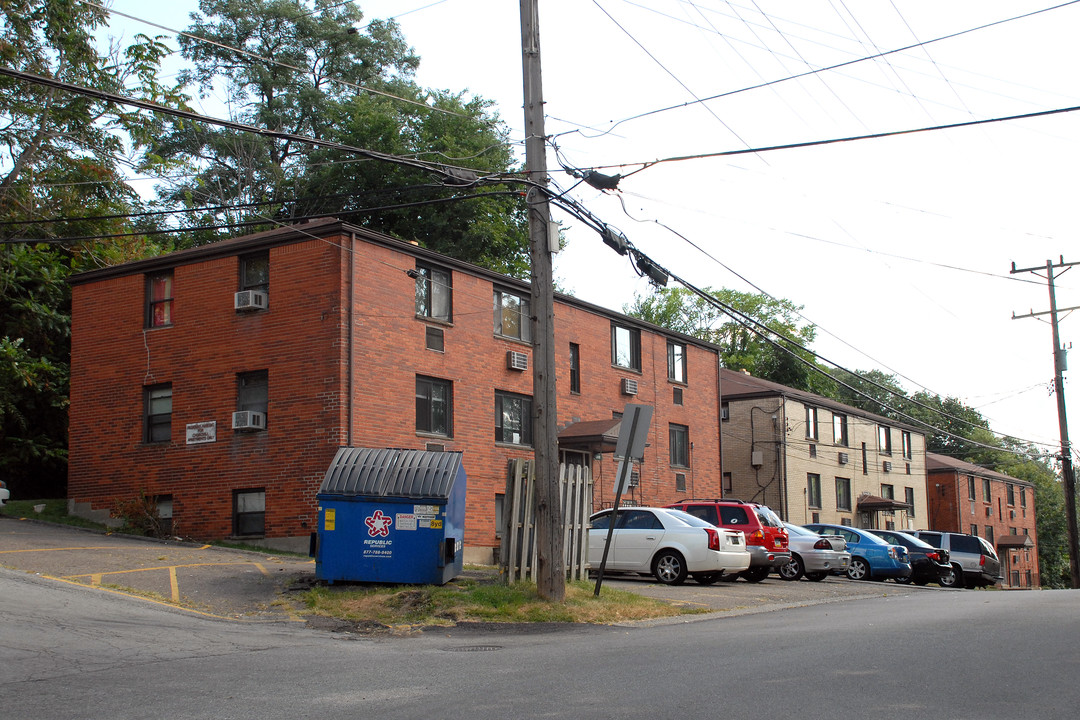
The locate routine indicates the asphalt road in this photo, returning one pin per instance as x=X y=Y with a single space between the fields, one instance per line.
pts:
x=73 y=652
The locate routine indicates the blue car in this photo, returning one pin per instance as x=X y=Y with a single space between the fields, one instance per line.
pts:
x=871 y=557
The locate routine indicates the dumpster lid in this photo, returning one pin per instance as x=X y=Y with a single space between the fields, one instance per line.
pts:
x=388 y=472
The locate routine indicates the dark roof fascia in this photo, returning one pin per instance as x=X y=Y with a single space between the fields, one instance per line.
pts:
x=319 y=229
x=769 y=389
x=952 y=465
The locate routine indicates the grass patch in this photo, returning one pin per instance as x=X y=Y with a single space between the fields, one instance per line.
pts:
x=54 y=511
x=481 y=600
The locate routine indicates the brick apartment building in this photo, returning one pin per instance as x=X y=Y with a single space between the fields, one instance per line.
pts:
x=970 y=499
x=221 y=380
x=817 y=460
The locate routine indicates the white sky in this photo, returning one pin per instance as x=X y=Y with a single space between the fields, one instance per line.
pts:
x=899 y=249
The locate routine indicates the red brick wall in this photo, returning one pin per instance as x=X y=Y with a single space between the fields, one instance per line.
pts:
x=303 y=341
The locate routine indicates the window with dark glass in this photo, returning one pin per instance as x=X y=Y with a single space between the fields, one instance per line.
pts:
x=433 y=406
x=971 y=487
x=676 y=362
x=513 y=418
x=249 y=512
x=626 y=347
x=433 y=292
x=575 y=368
x=511 y=315
x=253 y=391
x=986 y=489
x=905 y=442
x=843 y=493
x=159 y=299
x=255 y=272
x=839 y=429
x=725 y=412
x=1023 y=497
x=909 y=498
x=679 y=445
x=813 y=490
x=1010 y=494
x=158 y=413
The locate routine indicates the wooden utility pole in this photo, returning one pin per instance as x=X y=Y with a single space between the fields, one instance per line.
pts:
x=550 y=571
x=1067 y=475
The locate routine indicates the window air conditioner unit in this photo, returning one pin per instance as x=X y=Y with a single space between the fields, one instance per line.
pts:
x=842 y=458
x=886 y=466
x=248 y=420
x=250 y=300
x=517 y=360
x=1012 y=514
x=629 y=386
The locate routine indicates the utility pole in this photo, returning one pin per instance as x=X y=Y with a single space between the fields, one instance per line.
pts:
x=550 y=570
x=1067 y=475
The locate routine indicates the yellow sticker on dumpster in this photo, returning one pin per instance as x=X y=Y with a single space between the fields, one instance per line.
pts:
x=328 y=519
x=436 y=524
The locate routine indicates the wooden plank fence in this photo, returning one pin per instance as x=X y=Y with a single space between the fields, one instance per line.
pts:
x=517 y=559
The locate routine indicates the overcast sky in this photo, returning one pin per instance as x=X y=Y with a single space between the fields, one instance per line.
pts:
x=899 y=249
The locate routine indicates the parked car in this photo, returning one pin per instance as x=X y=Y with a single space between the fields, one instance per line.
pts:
x=928 y=563
x=5 y=494
x=814 y=556
x=871 y=557
x=667 y=544
x=766 y=538
x=974 y=561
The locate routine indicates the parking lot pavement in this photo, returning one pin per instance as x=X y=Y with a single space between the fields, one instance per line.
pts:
x=233 y=584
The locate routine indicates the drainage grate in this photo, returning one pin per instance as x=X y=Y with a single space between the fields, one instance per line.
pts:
x=474 y=648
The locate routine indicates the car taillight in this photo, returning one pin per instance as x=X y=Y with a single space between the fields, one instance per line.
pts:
x=934 y=556
x=982 y=560
x=714 y=539
x=755 y=538
x=822 y=544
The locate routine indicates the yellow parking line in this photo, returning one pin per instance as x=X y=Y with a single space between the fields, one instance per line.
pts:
x=144 y=599
x=95 y=579
x=174 y=585
x=162 y=567
x=261 y=568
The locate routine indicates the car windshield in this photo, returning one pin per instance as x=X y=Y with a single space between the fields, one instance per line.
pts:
x=689 y=519
x=768 y=517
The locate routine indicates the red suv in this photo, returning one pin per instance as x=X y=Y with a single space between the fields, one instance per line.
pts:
x=766 y=537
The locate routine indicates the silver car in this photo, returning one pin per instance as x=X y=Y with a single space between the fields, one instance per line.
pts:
x=813 y=555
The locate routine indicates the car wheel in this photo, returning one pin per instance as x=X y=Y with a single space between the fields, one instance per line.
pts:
x=858 y=569
x=793 y=569
x=755 y=574
x=707 y=578
x=669 y=567
x=951 y=579
x=816 y=576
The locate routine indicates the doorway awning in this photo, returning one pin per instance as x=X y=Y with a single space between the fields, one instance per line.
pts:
x=875 y=503
x=1014 y=542
x=591 y=435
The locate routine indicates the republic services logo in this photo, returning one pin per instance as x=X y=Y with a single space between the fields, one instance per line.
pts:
x=378 y=524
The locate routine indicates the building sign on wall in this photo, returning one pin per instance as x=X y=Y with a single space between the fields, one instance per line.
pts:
x=202 y=432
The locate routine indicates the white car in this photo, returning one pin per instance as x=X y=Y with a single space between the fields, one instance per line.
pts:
x=5 y=494
x=813 y=555
x=668 y=544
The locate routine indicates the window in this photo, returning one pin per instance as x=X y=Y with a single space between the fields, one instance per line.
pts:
x=839 y=429
x=971 y=487
x=1023 y=497
x=159 y=299
x=989 y=534
x=974 y=529
x=575 y=368
x=512 y=317
x=887 y=492
x=680 y=482
x=909 y=498
x=677 y=396
x=1010 y=493
x=253 y=392
x=905 y=444
x=433 y=406
x=865 y=470
x=726 y=484
x=843 y=493
x=249 y=512
x=255 y=272
x=626 y=347
x=986 y=489
x=676 y=362
x=725 y=412
x=811 y=423
x=884 y=444
x=513 y=418
x=433 y=292
x=158 y=426
x=813 y=490
x=679 y=445
x=433 y=338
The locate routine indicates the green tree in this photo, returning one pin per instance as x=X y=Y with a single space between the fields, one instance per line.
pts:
x=743 y=345
x=323 y=55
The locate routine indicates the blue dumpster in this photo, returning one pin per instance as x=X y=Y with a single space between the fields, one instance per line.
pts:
x=391 y=516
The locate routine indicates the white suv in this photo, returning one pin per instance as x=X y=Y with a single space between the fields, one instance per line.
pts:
x=974 y=562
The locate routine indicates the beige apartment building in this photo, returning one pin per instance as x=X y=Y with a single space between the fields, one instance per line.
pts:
x=817 y=460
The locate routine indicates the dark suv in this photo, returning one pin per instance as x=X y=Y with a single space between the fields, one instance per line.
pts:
x=928 y=564
x=766 y=537
x=974 y=562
